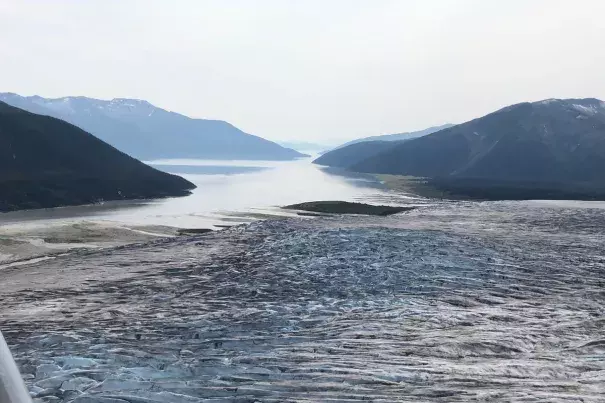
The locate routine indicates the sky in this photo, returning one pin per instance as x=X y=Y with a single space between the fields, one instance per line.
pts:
x=323 y=71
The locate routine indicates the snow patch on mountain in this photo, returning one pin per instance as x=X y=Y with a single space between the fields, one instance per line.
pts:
x=548 y=101
x=590 y=109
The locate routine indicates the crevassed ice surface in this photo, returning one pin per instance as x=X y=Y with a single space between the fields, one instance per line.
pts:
x=456 y=302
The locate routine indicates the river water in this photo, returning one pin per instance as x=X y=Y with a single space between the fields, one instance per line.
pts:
x=224 y=189
x=227 y=193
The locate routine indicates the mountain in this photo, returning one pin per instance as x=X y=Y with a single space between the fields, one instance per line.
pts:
x=46 y=162
x=147 y=132
x=356 y=151
x=400 y=136
x=556 y=140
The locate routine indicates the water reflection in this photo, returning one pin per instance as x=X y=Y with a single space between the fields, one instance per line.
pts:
x=207 y=169
x=356 y=178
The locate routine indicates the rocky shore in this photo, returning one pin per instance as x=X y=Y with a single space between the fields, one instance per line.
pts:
x=455 y=302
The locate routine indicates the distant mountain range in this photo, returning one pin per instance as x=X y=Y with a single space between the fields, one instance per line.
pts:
x=147 y=132
x=355 y=151
x=556 y=141
x=46 y=162
x=399 y=136
x=305 y=146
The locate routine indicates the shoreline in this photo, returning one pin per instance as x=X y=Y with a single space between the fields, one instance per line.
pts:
x=410 y=185
x=479 y=189
x=22 y=241
x=21 y=244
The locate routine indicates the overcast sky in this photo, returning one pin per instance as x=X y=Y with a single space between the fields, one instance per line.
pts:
x=314 y=70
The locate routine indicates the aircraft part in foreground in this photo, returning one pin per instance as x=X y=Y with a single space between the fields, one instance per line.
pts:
x=12 y=388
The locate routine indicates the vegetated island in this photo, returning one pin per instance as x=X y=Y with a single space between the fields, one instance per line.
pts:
x=343 y=207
